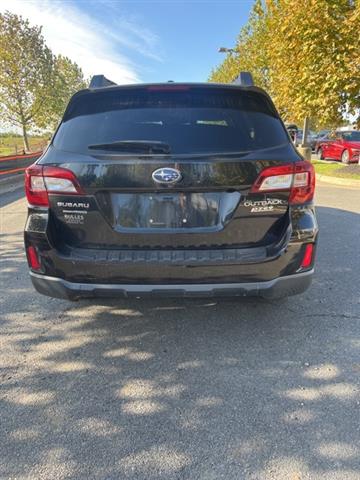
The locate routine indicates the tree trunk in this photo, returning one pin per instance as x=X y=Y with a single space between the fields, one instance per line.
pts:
x=25 y=139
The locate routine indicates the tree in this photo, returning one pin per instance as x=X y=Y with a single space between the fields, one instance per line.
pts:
x=68 y=78
x=250 y=52
x=305 y=53
x=310 y=58
x=352 y=60
x=35 y=85
x=26 y=70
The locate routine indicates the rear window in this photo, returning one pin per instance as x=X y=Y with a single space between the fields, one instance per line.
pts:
x=353 y=136
x=189 y=120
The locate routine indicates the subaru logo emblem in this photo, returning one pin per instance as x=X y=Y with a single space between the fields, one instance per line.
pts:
x=166 y=175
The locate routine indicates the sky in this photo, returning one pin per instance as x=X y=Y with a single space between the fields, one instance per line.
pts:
x=131 y=41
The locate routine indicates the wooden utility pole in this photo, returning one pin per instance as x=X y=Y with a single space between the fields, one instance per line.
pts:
x=305 y=148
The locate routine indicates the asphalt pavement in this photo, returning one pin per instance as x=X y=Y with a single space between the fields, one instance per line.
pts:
x=184 y=389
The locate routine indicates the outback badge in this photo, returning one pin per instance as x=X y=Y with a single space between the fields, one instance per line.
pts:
x=166 y=175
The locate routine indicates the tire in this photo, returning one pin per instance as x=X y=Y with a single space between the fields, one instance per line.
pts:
x=319 y=154
x=345 y=157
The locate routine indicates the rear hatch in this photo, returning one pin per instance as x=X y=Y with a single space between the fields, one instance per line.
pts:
x=169 y=166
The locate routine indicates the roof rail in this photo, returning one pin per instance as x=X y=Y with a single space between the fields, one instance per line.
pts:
x=99 y=81
x=244 y=79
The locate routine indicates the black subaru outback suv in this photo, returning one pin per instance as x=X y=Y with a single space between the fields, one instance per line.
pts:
x=170 y=189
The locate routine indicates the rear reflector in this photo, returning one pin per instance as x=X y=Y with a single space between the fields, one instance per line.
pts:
x=297 y=178
x=42 y=180
x=308 y=256
x=33 y=258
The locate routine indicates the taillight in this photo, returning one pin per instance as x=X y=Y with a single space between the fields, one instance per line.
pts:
x=297 y=178
x=303 y=188
x=42 y=180
x=35 y=189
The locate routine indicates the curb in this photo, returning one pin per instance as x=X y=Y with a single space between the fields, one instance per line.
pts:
x=338 y=181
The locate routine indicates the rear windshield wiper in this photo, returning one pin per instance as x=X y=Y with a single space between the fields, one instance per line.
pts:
x=134 y=146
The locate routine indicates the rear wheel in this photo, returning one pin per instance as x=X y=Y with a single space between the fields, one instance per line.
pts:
x=320 y=154
x=345 y=157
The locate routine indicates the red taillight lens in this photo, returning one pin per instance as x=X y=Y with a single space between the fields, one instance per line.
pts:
x=303 y=188
x=35 y=189
x=33 y=258
x=308 y=256
x=42 y=180
x=298 y=178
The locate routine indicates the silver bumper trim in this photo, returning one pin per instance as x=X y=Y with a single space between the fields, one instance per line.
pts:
x=278 y=287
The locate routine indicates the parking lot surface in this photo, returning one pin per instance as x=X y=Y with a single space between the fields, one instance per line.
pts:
x=184 y=389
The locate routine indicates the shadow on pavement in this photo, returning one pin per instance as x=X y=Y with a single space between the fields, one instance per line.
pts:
x=190 y=389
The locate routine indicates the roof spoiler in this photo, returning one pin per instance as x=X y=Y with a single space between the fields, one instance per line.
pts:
x=99 y=81
x=244 y=79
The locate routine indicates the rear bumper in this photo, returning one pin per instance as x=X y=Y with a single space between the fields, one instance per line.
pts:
x=278 y=287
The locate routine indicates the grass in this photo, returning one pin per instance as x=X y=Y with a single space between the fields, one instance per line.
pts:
x=13 y=144
x=337 y=170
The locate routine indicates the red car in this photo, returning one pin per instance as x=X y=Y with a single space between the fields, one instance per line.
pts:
x=340 y=145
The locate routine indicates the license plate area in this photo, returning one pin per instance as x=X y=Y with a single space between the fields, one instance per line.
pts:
x=173 y=211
